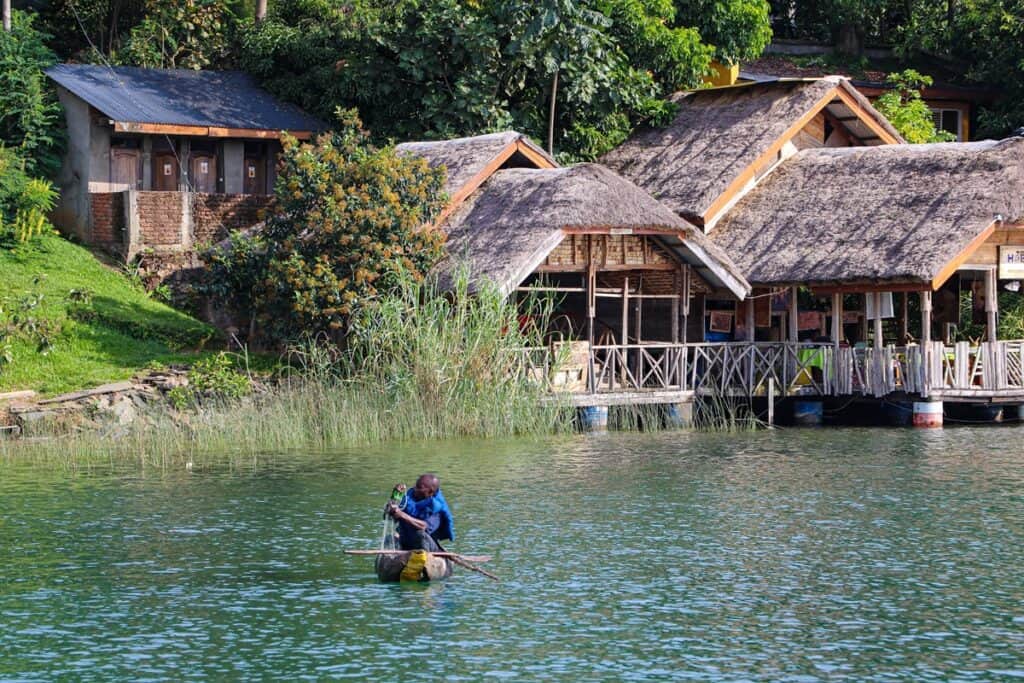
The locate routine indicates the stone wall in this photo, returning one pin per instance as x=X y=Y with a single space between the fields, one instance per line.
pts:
x=160 y=217
x=215 y=215
x=107 y=210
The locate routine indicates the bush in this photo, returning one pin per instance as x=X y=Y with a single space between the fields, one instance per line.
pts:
x=213 y=378
x=30 y=116
x=347 y=225
x=24 y=202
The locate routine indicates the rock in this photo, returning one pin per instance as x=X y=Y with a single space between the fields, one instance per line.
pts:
x=123 y=411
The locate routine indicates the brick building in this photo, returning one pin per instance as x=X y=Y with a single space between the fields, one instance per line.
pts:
x=163 y=159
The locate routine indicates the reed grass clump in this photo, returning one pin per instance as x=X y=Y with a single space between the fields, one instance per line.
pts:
x=718 y=412
x=419 y=364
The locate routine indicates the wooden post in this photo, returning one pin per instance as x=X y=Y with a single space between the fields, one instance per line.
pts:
x=877 y=304
x=794 y=330
x=677 y=283
x=639 y=316
x=749 y=310
x=686 y=302
x=591 y=312
x=926 y=317
x=625 y=311
x=771 y=401
x=904 y=317
x=991 y=305
x=837 y=318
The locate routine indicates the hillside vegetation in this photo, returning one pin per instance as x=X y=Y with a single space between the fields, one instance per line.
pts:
x=67 y=321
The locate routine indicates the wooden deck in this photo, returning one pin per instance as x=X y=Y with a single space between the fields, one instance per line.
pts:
x=669 y=373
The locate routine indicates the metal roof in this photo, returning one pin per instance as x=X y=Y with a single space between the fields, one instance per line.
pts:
x=181 y=97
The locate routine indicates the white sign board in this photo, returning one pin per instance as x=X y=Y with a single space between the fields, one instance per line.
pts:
x=1011 y=262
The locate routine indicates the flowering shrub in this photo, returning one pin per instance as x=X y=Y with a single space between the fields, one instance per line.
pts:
x=349 y=221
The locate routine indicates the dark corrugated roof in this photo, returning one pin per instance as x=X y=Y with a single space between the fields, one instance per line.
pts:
x=180 y=97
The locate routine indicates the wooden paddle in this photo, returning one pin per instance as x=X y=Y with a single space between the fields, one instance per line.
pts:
x=464 y=562
x=467 y=558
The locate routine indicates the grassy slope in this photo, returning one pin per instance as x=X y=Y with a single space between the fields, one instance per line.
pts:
x=120 y=331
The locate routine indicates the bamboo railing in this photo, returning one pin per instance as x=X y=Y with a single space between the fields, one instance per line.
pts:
x=795 y=369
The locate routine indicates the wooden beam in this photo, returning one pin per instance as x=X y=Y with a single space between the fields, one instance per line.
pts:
x=610 y=268
x=876 y=300
x=794 y=313
x=870 y=121
x=748 y=309
x=926 y=317
x=625 y=311
x=676 y=286
x=991 y=306
x=961 y=258
x=837 y=317
x=904 y=317
x=825 y=290
x=540 y=160
x=205 y=131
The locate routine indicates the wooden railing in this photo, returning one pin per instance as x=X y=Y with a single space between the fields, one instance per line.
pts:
x=748 y=368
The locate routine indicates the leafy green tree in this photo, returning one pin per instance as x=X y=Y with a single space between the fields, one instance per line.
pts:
x=419 y=69
x=905 y=109
x=30 y=116
x=178 y=34
x=738 y=29
x=348 y=224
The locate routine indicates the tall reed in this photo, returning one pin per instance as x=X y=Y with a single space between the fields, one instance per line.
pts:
x=419 y=364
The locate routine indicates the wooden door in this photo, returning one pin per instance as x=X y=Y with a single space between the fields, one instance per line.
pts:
x=165 y=171
x=125 y=171
x=203 y=172
x=255 y=181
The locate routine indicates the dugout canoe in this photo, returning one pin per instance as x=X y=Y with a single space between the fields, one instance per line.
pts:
x=417 y=565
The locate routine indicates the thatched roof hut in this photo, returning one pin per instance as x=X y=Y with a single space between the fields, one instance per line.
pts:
x=894 y=214
x=519 y=216
x=723 y=139
x=470 y=161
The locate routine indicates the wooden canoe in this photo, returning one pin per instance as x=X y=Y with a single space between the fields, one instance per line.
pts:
x=417 y=565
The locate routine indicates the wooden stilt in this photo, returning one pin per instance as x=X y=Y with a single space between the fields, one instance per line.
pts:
x=794 y=312
x=837 y=317
x=677 y=283
x=625 y=311
x=991 y=306
x=904 y=317
x=686 y=302
x=749 y=310
x=877 y=304
x=926 y=317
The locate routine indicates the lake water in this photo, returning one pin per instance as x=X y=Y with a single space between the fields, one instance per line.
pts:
x=803 y=555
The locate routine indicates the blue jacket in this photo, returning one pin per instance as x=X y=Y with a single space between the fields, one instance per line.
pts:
x=435 y=512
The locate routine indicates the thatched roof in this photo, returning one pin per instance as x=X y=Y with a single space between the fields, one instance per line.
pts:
x=509 y=226
x=721 y=132
x=468 y=159
x=898 y=213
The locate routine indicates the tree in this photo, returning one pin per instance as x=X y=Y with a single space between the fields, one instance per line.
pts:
x=348 y=224
x=907 y=112
x=30 y=116
x=441 y=68
x=738 y=29
x=176 y=34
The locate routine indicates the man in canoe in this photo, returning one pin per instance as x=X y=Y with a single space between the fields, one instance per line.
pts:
x=423 y=516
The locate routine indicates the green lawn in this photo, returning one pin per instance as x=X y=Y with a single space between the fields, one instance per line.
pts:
x=109 y=334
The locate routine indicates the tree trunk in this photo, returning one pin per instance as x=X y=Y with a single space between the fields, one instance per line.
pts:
x=261 y=10
x=551 y=114
x=7 y=15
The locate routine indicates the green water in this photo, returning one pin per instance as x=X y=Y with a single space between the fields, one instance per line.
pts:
x=832 y=554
